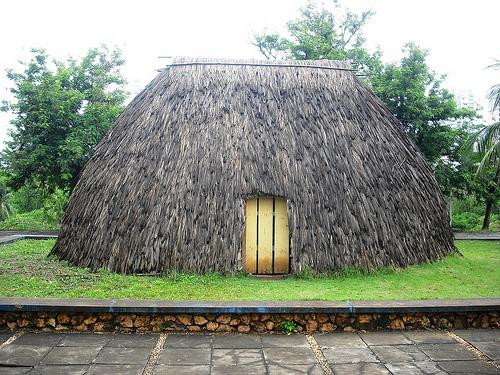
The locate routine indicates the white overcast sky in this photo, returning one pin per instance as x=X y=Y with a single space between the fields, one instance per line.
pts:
x=462 y=36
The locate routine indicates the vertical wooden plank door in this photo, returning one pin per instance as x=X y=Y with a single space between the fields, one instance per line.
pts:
x=266 y=236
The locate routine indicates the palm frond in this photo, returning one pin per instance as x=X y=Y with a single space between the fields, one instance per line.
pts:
x=495 y=65
x=494 y=94
x=494 y=97
x=486 y=143
x=489 y=159
x=483 y=139
x=487 y=138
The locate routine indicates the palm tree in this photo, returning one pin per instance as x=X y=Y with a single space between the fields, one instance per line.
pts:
x=494 y=94
x=487 y=144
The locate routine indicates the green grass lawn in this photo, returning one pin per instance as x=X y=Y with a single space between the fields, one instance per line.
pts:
x=25 y=271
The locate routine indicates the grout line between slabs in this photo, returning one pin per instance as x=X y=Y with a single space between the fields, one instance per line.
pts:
x=266 y=365
x=318 y=353
x=93 y=361
x=375 y=354
x=153 y=356
x=12 y=338
x=482 y=356
x=210 y=367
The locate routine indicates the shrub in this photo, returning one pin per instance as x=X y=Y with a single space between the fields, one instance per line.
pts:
x=54 y=206
x=46 y=217
x=28 y=197
x=5 y=207
x=465 y=221
x=34 y=220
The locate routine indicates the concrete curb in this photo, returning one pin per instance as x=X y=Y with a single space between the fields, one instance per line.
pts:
x=482 y=236
x=82 y=305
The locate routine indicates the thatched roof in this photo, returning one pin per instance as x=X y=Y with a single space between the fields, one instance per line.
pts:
x=166 y=187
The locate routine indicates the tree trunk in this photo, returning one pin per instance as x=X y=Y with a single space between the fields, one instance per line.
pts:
x=487 y=214
x=490 y=202
x=450 y=208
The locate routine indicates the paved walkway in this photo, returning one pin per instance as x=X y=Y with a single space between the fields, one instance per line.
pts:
x=8 y=236
x=372 y=353
x=478 y=236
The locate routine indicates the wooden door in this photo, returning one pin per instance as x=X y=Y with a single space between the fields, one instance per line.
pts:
x=266 y=236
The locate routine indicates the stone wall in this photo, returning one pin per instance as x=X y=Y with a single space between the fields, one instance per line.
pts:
x=243 y=323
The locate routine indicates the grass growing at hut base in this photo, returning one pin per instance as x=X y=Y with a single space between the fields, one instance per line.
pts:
x=25 y=271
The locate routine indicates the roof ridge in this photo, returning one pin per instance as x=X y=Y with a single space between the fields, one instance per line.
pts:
x=315 y=64
x=283 y=65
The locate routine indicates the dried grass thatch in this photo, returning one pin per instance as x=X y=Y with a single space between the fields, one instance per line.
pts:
x=166 y=188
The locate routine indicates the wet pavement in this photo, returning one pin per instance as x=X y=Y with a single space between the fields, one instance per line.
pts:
x=371 y=353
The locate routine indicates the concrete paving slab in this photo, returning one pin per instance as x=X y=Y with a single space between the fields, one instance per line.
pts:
x=280 y=354
x=186 y=356
x=44 y=339
x=491 y=349
x=447 y=352
x=189 y=341
x=133 y=341
x=429 y=337
x=237 y=342
x=361 y=368
x=385 y=338
x=479 y=335
x=181 y=370
x=22 y=355
x=283 y=341
x=84 y=339
x=238 y=370
x=295 y=370
x=340 y=340
x=14 y=370
x=399 y=353
x=468 y=367
x=415 y=368
x=289 y=356
x=233 y=357
x=71 y=355
x=349 y=355
x=123 y=356
x=115 y=370
x=59 y=370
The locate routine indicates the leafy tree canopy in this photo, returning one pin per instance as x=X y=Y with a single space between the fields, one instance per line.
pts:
x=62 y=110
x=414 y=94
x=410 y=89
x=319 y=33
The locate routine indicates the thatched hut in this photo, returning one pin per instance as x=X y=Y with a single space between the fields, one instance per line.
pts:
x=266 y=167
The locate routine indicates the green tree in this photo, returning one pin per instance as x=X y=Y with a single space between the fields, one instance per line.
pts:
x=319 y=33
x=486 y=144
x=61 y=111
x=410 y=89
x=483 y=186
x=453 y=170
x=414 y=94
